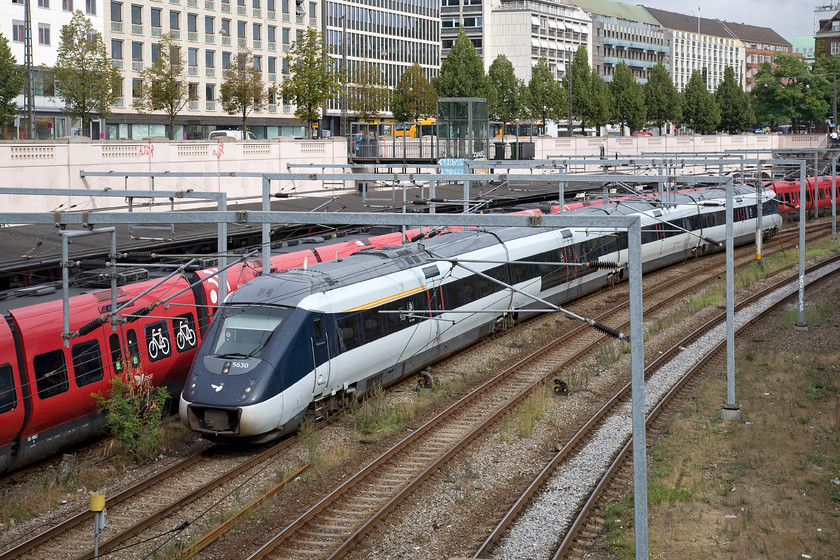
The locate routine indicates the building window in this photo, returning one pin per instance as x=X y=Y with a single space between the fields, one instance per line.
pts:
x=18 y=32
x=136 y=14
x=137 y=87
x=210 y=61
x=116 y=49
x=43 y=34
x=225 y=28
x=835 y=47
x=210 y=92
x=258 y=62
x=286 y=35
x=285 y=6
x=192 y=91
x=256 y=4
x=449 y=22
x=472 y=22
x=272 y=33
x=272 y=64
x=136 y=51
x=835 y=25
x=269 y=5
x=192 y=57
x=192 y=23
x=90 y=7
x=312 y=9
x=116 y=11
x=43 y=3
x=155 y=21
x=155 y=52
x=257 y=32
x=225 y=60
x=174 y=20
x=67 y=5
x=240 y=29
x=209 y=23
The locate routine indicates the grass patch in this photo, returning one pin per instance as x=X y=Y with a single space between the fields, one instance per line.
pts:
x=377 y=417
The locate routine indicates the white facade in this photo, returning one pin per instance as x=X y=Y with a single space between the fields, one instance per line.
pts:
x=527 y=30
x=709 y=53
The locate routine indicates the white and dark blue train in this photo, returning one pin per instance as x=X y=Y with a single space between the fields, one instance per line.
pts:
x=307 y=341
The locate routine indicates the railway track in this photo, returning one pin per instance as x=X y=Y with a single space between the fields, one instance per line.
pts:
x=67 y=539
x=335 y=524
x=588 y=521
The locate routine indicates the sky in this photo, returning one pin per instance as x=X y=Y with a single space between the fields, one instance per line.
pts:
x=785 y=17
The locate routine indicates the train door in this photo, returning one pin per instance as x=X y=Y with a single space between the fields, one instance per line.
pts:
x=12 y=404
x=321 y=353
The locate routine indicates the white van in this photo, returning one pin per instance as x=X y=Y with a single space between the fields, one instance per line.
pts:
x=235 y=134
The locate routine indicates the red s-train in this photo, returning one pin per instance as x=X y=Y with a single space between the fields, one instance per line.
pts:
x=45 y=388
x=788 y=195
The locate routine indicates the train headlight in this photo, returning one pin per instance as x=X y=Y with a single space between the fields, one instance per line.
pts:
x=249 y=388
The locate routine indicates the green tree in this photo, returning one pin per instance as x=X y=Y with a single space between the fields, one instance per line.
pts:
x=827 y=69
x=504 y=91
x=600 y=102
x=85 y=79
x=462 y=73
x=243 y=89
x=581 y=88
x=314 y=78
x=164 y=83
x=366 y=94
x=628 y=99
x=789 y=92
x=662 y=99
x=545 y=99
x=414 y=97
x=700 y=110
x=12 y=79
x=736 y=113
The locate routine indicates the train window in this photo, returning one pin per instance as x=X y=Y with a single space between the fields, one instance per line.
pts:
x=317 y=330
x=348 y=332
x=184 y=328
x=419 y=304
x=246 y=330
x=393 y=321
x=8 y=400
x=116 y=352
x=50 y=373
x=372 y=325
x=133 y=348
x=87 y=362
x=469 y=287
x=452 y=296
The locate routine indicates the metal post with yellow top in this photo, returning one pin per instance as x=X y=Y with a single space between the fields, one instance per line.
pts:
x=97 y=506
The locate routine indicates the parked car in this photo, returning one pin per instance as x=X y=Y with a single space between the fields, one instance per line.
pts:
x=641 y=133
x=235 y=134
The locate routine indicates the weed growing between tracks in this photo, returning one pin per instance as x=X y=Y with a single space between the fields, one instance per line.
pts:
x=769 y=485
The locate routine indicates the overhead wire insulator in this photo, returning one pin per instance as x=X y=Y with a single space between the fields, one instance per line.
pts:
x=91 y=326
x=603 y=265
x=93 y=263
x=142 y=312
x=609 y=331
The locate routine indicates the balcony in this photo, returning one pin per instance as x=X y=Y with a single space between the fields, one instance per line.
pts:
x=116 y=26
x=210 y=72
x=272 y=77
x=287 y=17
x=272 y=108
x=119 y=102
x=210 y=106
x=210 y=38
x=272 y=46
x=257 y=13
x=136 y=29
x=226 y=8
x=192 y=71
x=156 y=31
x=193 y=105
x=271 y=14
x=176 y=34
x=137 y=66
x=225 y=40
x=116 y=63
x=258 y=45
x=192 y=3
x=242 y=10
x=242 y=42
x=209 y=5
x=192 y=36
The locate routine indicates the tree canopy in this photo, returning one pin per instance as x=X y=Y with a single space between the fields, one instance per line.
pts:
x=314 y=79
x=414 y=97
x=164 y=83
x=12 y=80
x=600 y=102
x=545 y=99
x=789 y=92
x=581 y=87
x=736 y=113
x=462 y=72
x=700 y=110
x=85 y=79
x=243 y=89
x=662 y=99
x=628 y=99
x=504 y=91
x=367 y=97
